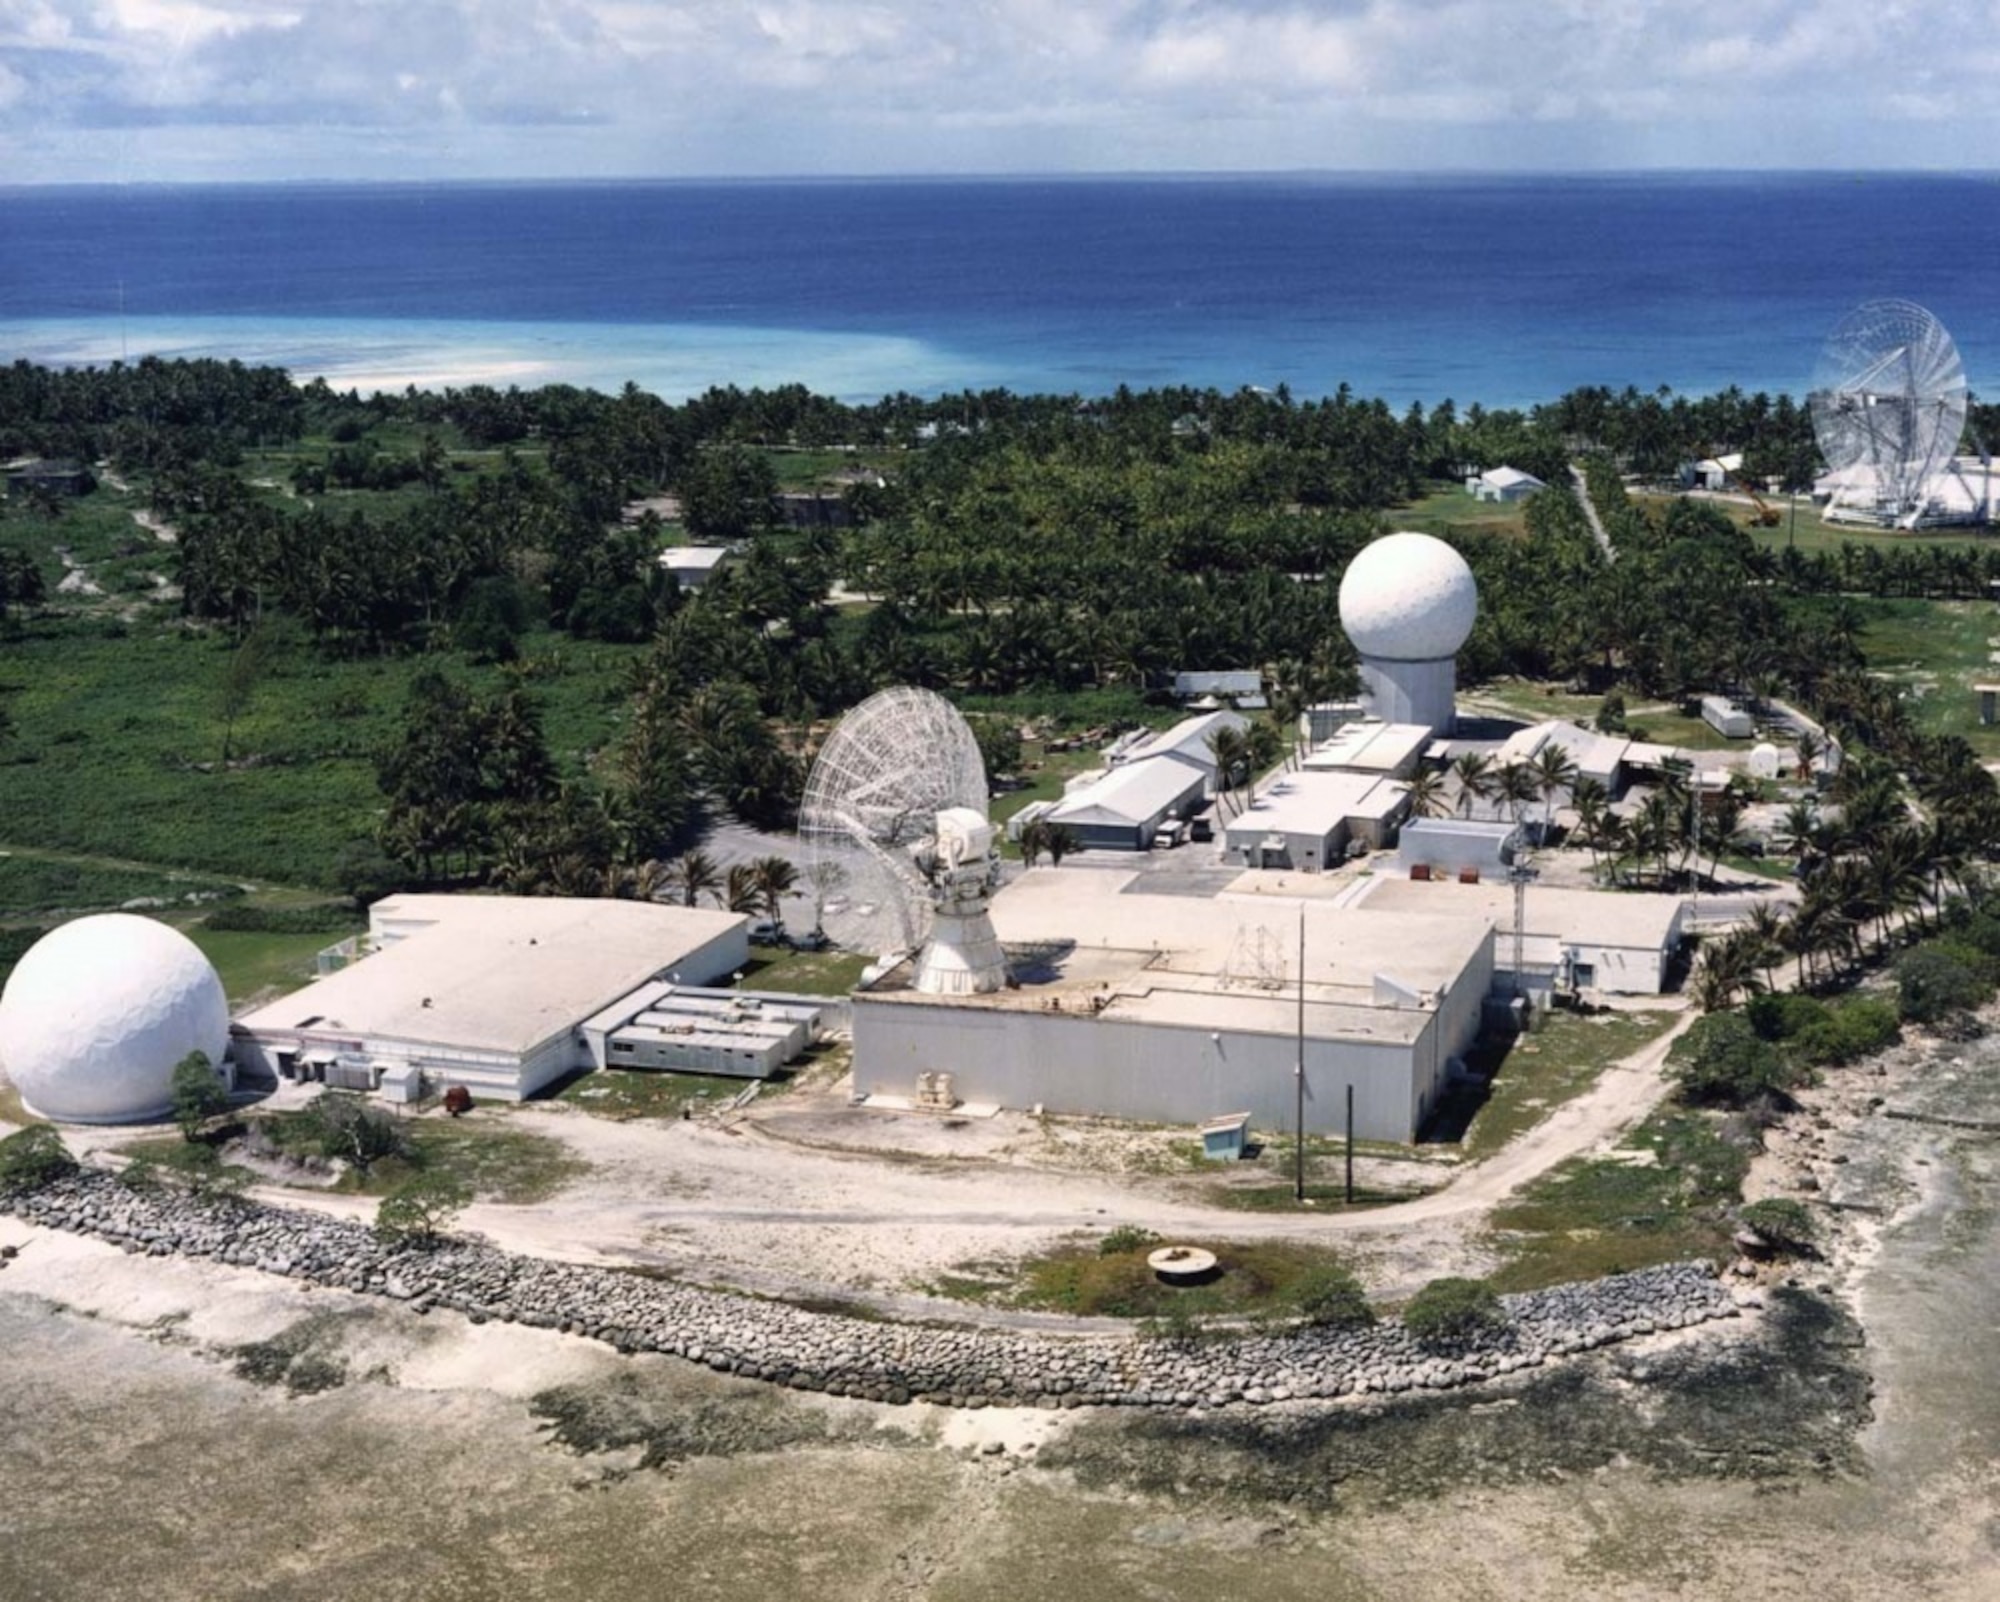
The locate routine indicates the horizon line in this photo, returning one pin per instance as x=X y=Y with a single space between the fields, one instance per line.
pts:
x=1333 y=175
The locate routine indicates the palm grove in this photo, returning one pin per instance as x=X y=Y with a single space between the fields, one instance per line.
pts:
x=1021 y=553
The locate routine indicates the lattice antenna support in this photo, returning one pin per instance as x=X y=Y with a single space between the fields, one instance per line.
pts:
x=1888 y=406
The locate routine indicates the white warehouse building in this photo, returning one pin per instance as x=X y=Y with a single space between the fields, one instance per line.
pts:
x=1175 y=1009
x=489 y=992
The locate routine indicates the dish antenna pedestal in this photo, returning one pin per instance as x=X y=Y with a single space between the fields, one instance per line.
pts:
x=963 y=955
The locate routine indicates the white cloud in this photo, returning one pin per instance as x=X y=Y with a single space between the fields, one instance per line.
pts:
x=818 y=85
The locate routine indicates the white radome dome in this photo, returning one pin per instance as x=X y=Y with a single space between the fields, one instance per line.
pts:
x=99 y=1011
x=1409 y=598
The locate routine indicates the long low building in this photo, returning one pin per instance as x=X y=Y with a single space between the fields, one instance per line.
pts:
x=1174 y=1009
x=488 y=992
x=1613 y=942
x=1307 y=821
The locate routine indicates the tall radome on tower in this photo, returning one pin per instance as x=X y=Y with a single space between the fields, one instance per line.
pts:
x=1408 y=601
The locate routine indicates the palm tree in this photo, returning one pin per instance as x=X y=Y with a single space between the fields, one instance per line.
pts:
x=740 y=890
x=1764 y=933
x=1231 y=750
x=1262 y=747
x=1593 y=804
x=1728 y=969
x=1809 y=746
x=1555 y=771
x=1426 y=793
x=694 y=875
x=1474 y=772
x=775 y=877
x=1802 y=827
x=1517 y=786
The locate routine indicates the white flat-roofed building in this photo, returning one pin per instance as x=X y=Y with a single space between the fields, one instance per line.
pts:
x=1727 y=718
x=1449 y=847
x=1306 y=821
x=489 y=992
x=687 y=1029
x=1226 y=682
x=1392 y=750
x=1124 y=809
x=694 y=565
x=1614 y=942
x=1177 y=1009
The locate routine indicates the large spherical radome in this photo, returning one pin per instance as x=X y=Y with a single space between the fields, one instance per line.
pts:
x=99 y=1011
x=1408 y=597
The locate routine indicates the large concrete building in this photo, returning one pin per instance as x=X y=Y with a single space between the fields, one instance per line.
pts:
x=1174 y=1009
x=1408 y=601
x=489 y=992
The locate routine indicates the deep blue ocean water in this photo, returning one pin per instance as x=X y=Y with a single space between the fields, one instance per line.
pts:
x=1504 y=291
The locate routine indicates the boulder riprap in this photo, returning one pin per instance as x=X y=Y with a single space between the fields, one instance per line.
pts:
x=878 y=1361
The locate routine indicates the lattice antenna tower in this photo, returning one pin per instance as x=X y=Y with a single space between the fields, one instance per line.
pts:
x=1888 y=406
x=1256 y=960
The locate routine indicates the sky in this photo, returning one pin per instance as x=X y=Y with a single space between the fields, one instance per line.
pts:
x=136 y=91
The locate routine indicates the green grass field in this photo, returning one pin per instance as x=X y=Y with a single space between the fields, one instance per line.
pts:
x=1533 y=1075
x=119 y=726
x=1937 y=650
x=1665 y=1195
x=1253 y=1278
x=627 y=1093
x=253 y=965
x=35 y=883
x=1448 y=509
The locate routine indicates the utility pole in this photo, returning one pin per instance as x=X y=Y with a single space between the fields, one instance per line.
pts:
x=1350 y=1145
x=1520 y=872
x=1299 y=1075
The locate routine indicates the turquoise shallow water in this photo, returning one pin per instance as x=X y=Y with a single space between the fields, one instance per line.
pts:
x=1498 y=291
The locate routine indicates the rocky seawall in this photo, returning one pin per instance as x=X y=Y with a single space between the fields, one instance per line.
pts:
x=855 y=1356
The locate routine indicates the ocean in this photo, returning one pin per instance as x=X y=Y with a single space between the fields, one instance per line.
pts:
x=1500 y=291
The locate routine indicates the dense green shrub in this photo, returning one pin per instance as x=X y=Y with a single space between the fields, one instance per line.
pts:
x=1126 y=1238
x=1332 y=1298
x=1781 y=1014
x=419 y=1211
x=324 y=917
x=1723 y=1062
x=1783 y=1225
x=33 y=1157
x=197 y=1094
x=347 y=1126
x=1819 y=1034
x=1934 y=981
x=1452 y=1309
x=1848 y=1032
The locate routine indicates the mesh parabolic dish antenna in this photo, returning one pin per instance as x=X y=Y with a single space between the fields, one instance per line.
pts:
x=1888 y=404
x=888 y=769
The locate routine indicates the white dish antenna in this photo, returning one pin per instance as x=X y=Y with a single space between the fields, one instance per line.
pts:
x=885 y=773
x=1888 y=405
